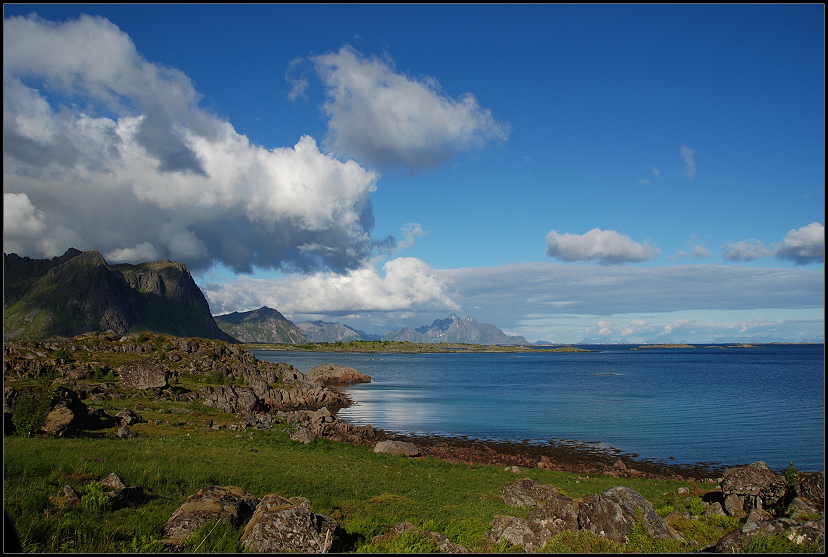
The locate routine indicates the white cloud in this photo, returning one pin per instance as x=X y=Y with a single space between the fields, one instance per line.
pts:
x=390 y=120
x=410 y=232
x=608 y=247
x=803 y=246
x=134 y=167
x=668 y=329
x=605 y=327
x=634 y=327
x=746 y=250
x=689 y=157
x=144 y=251
x=407 y=284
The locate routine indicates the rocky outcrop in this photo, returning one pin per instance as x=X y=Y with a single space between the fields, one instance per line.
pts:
x=282 y=525
x=143 y=374
x=335 y=374
x=738 y=540
x=67 y=414
x=612 y=514
x=527 y=493
x=397 y=448
x=751 y=487
x=210 y=504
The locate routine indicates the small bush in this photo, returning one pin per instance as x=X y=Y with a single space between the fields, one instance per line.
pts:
x=696 y=507
x=96 y=499
x=30 y=409
x=791 y=475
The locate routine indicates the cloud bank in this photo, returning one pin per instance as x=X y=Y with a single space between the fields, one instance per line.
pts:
x=407 y=284
x=390 y=120
x=607 y=247
x=106 y=150
x=803 y=246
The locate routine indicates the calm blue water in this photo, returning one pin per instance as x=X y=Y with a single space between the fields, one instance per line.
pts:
x=730 y=407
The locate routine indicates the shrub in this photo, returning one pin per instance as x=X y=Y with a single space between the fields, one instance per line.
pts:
x=782 y=543
x=96 y=499
x=696 y=507
x=30 y=409
x=791 y=475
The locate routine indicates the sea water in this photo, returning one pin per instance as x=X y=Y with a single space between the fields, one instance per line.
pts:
x=718 y=405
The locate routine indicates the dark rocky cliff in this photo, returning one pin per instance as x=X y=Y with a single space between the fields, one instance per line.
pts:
x=79 y=292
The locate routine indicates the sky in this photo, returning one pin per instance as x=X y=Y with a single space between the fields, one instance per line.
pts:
x=611 y=173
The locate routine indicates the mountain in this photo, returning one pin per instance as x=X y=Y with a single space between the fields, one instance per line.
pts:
x=263 y=325
x=79 y=292
x=455 y=330
x=321 y=331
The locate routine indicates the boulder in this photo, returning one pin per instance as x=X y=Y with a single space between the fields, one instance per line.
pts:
x=738 y=540
x=66 y=414
x=812 y=487
x=282 y=525
x=303 y=435
x=557 y=514
x=800 y=506
x=231 y=399
x=128 y=417
x=396 y=448
x=143 y=374
x=335 y=374
x=527 y=492
x=125 y=433
x=113 y=481
x=751 y=487
x=614 y=513
x=514 y=530
x=207 y=505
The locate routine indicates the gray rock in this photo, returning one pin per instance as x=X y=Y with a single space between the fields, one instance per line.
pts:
x=282 y=525
x=755 y=486
x=812 y=487
x=527 y=492
x=397 y=448
x=207 y=505
x=714 y=509
x=125 y=433
x=738 y=540
x=72 y=496
x=800 y=506
x=335 y=374
x=557 y=514
x=113 y=481
x=613 y=514
x=143 y=374
x=514 y=530
x=128 y=417
x=304 y=435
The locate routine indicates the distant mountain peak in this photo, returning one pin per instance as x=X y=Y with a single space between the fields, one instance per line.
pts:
x=453 y=329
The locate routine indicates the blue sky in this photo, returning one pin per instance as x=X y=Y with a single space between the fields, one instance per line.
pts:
x=563 y=172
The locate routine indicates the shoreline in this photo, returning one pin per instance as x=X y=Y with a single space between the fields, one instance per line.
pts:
x=557 y=455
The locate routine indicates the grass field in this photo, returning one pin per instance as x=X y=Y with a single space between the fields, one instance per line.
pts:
x=365 y=491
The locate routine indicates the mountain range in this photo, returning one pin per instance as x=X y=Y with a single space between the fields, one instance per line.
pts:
x=79 y=292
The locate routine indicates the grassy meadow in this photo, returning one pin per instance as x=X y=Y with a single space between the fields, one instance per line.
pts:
x=365 y=491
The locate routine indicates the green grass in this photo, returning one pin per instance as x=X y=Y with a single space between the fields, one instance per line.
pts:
x=365 y=491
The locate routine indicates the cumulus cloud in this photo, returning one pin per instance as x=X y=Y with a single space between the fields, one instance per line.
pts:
x=408 y=284
x=675 y=325
x=608 y=247
x=689 y=157
x=605 y=327
x=391 y=120
x=803 y=246
x=411 y=231
x=746 y=250
x=697 y=251
x=106 y=150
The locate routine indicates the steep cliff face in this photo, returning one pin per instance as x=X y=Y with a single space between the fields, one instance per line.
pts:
x=78 y=292
x=263 y=325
